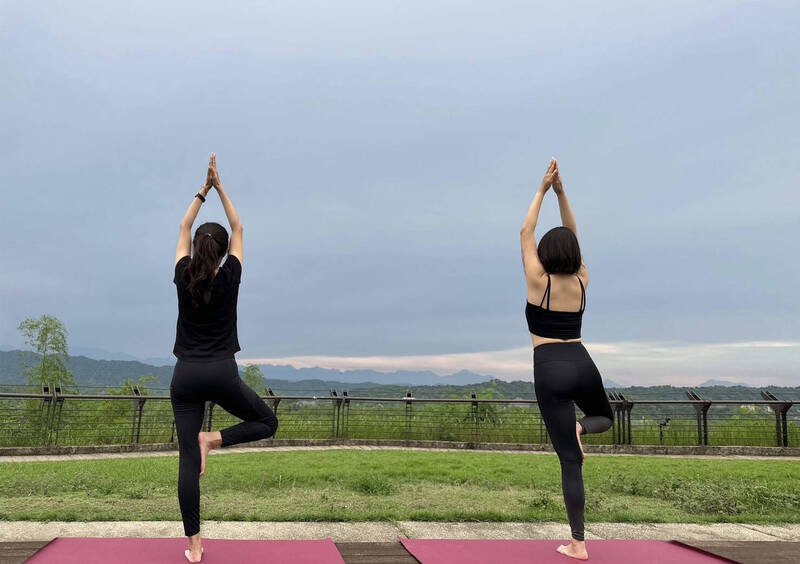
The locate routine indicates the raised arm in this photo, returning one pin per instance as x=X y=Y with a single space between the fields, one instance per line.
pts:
x=230 y=211
x=184 y=247
x=534 y=270
x=567 y=218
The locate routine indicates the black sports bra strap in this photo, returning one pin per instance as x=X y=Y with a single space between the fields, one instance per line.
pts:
x=546 y=293
x=583 y=294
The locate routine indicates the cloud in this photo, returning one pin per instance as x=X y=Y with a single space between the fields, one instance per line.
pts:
x=756 y=363
x=510 y=363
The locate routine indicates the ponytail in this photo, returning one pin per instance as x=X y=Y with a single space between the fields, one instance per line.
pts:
x=210 y=244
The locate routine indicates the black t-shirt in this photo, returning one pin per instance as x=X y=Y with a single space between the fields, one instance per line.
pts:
x=208 y=332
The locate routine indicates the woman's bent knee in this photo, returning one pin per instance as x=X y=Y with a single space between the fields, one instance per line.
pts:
x=606 y=423
x=596 y=424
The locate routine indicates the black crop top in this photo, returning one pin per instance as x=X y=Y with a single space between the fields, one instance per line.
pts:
x=208 y=332
x=555 y=324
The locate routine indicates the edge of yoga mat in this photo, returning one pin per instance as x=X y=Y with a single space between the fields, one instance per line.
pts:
x=41 y=548
x=703 y=550
x=332 y=555
x=408 y=544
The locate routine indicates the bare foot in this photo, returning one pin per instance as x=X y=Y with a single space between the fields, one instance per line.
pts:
x=578 y=430
x=194 y=554
x=207 y=442
x=576 y=550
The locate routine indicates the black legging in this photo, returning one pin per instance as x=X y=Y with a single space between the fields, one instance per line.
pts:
x=194 y=383
x=565 y=373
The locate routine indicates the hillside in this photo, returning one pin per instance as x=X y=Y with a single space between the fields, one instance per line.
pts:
x=92 y=375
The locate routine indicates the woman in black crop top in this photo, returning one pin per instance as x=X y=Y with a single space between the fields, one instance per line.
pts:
x=205 y=343
x=564 y=373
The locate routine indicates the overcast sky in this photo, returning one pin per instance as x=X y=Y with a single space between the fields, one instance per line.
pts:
x=382 y=157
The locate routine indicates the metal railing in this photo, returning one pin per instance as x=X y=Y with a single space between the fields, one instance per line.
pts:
x=51 y=418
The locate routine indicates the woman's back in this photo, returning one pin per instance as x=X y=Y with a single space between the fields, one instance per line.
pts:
x=566 y=292
x=555 y=313
x=208 y=332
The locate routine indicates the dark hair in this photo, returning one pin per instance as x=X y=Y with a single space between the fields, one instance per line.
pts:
x=210 y=245
x=559 y=251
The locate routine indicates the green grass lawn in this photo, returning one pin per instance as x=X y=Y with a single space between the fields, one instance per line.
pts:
x=354 y=485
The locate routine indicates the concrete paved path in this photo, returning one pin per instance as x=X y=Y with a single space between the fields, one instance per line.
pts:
x=388 y=531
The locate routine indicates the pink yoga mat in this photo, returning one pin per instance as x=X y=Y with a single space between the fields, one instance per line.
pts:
x=544 y=552
x=67 y=550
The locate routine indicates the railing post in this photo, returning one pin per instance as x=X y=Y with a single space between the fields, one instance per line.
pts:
x=618 y=429
x=336 y=403
x=275 y=401
x=409 y=414
x=614 y=427
x=475 y=416
x=344 y=419
x=781 y=425
x=59 y=405
x=612 y=396
x=623 y=417
x=44 y=416
x=661 y=430
x=135 y=391
x=51 y=419
x=138 y=407
x=139 y=424
x=628 y=409
x=702 y=417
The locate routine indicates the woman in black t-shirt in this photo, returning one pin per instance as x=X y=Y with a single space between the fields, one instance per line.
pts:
x=205 y=343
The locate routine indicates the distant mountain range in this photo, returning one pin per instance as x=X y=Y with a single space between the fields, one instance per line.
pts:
x=712 y=382
x=102 y=372
x=92 y=375
x=102 y=354
x=400 y=377
x=88 y=372
x=124 y=366
x=99 y=367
